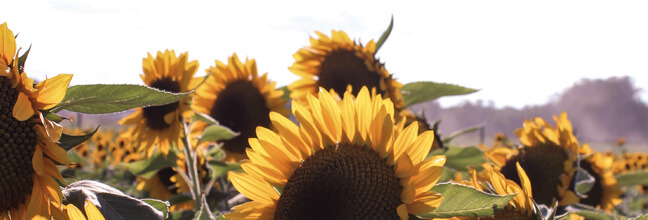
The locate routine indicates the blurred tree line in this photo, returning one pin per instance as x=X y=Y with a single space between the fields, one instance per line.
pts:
x=601 y=111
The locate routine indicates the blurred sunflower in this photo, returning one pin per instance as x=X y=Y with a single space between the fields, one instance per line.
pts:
x=123 y=150
x=28 y=149
x=239 y=99
x=160 y=125
x=630 y=162
x=101 y=142
x=160 y=186
x=606 y=192
x=342 y=162
x=336 y=62
x=548 y=157
x=168 y=182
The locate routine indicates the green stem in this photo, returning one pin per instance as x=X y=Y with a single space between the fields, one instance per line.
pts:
x=192 y=166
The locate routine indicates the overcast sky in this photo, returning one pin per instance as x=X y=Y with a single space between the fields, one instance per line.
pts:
x=516 y=52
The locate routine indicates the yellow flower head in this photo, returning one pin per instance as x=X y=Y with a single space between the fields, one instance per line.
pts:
x=548 y=157
x=335 y=63
x=28 y=145
x=343 y=161
x=239 y=99
x=606 y=192
x=161 y=125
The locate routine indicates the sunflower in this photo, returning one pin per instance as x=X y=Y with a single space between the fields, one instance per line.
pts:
x=160 y=186
x=160 y=125
x=606 y=192
x=492 y=180
x=101 y=147
x=239 y=99
x=335 y=63
x=548 y=157
x=342 y=162
x=28 y=149
x=123 y=150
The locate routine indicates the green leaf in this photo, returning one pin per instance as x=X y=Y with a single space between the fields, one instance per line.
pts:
x=385 y=35
x=199 y=116
x=221 y=168
x=588 y=212
x=204 y=213
x=459 y=158
x=22 y=59
x=633 y=178
x=102 y=99
x=455 y=134
x=148 y=168
x=417 y=92
x=160 y=205
x=68 y=142
x=180 y=198
x=584 y=181
x=286 y=94
x=455 y=203
x=217 y=132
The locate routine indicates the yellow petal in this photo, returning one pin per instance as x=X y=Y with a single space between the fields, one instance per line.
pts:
x=526 y=184
x=92 y=211
x=404 y=167
x=402 y=212
x=23 y=108
x=37 y=200
x=51 y=91
x=37 y=161
x=425 y=203
x=255 y=189
x=74 y=213
x=421 y=146
x=409 y=193
x=405 y=139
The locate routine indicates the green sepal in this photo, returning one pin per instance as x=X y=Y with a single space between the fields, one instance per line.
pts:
x=68 y=142
x=103 y=99
x=52 y=116
x=454 y=202
x=22 y=59
x=286 y=93
x=385 y=35
x=417 y=92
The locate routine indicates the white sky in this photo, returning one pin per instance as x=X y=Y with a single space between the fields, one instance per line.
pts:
x=517 y=52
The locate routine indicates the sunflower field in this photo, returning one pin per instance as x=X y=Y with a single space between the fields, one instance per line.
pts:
x=338 y=143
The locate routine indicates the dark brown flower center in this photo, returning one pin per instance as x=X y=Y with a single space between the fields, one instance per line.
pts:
x=240 y=107
x=543 y=165
x=343 y=67
x=595 y=195
x=154 y=115
x=17 y=144
x=164 y=175
x=343 y=182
